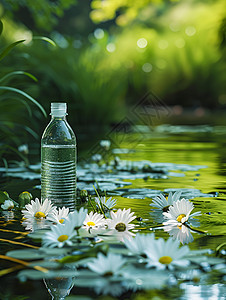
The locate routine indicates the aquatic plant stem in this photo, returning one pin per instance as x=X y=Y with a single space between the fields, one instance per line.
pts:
x=100 y=205
x=21 y=262
x=18 y=243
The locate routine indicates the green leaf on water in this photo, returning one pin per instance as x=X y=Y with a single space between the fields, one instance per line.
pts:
x=30 y=254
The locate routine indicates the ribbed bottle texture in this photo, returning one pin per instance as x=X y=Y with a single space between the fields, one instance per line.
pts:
x=58 y=163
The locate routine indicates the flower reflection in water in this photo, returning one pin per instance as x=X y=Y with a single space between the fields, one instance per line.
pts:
x=8 y=215
x=181 y=233
x=32 y=224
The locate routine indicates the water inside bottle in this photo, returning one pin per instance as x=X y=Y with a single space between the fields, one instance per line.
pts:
x=58 y=174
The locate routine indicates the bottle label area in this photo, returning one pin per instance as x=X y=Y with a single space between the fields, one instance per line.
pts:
x=58 y=174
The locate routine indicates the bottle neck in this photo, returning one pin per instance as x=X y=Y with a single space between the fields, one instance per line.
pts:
x=58 y=118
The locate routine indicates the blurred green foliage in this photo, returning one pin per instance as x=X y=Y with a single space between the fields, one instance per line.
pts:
x=175 y=49
x=15 y=105
x=44 y=13
x=123 y=11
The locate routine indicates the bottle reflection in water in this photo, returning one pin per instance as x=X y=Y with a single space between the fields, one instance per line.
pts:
x=58 y=159
x=59 y=288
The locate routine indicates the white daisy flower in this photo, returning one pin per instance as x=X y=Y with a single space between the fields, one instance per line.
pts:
x=76 y=218
x=164 y=254
x=38 y=209
x=96 y=157
x=180 y=233
x=163 y=203
x=119 y=223
x=105 y=144
x=7 y=205
x=58 y=236
x=107 y=265
x=140 y=243
x=108 y=203
x=58 y=216
x=179 y=212
x=94 y=220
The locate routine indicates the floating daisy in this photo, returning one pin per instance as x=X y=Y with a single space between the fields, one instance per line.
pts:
x=163 y=203
x=76 y=218
x=7 y=205
x=140 y=243
x=180 y=233
x=164 y=254
x=58 y=236
x=179 y=212
x=94 y=220
x=105 y=144
x=58 y=216
x=108 y=203
x=119 y=223
x=107 y=265
x=38 y=210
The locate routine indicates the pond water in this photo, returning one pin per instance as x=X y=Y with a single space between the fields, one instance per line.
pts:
x=143 y=164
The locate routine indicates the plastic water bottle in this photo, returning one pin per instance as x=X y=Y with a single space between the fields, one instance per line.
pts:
x=58 y=159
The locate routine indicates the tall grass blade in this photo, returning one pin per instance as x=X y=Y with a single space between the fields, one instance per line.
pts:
x=18 y=73
x=11 y=89
x=44 y=39
x=1 y=27
x=8 y=48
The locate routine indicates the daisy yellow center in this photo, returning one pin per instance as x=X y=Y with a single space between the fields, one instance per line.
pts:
x=61 y=221
x=165 y=260
x=39 y=215
x=90 y=223
x=120 y=227
x=107 y=274
x=62 y=238
x=180 y=217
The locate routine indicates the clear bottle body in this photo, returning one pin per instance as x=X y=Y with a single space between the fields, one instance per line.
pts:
x=58 y=163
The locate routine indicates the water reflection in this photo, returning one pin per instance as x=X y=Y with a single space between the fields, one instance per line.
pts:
x=181 y=233
x=59 y=287
x=8 y=215
x=32 y=224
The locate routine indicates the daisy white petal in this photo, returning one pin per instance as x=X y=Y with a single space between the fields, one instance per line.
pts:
x=163 y=203
x=179 y=212
x=109 y=203
x=58 y=236
x=76 y=218
x=7 y=205
x=140 y=243
x=181 y=233
x=94 y=220
x=107 y=265
x=59 y=215
x=38 y=209
x=164 y=254
x=119 y=224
